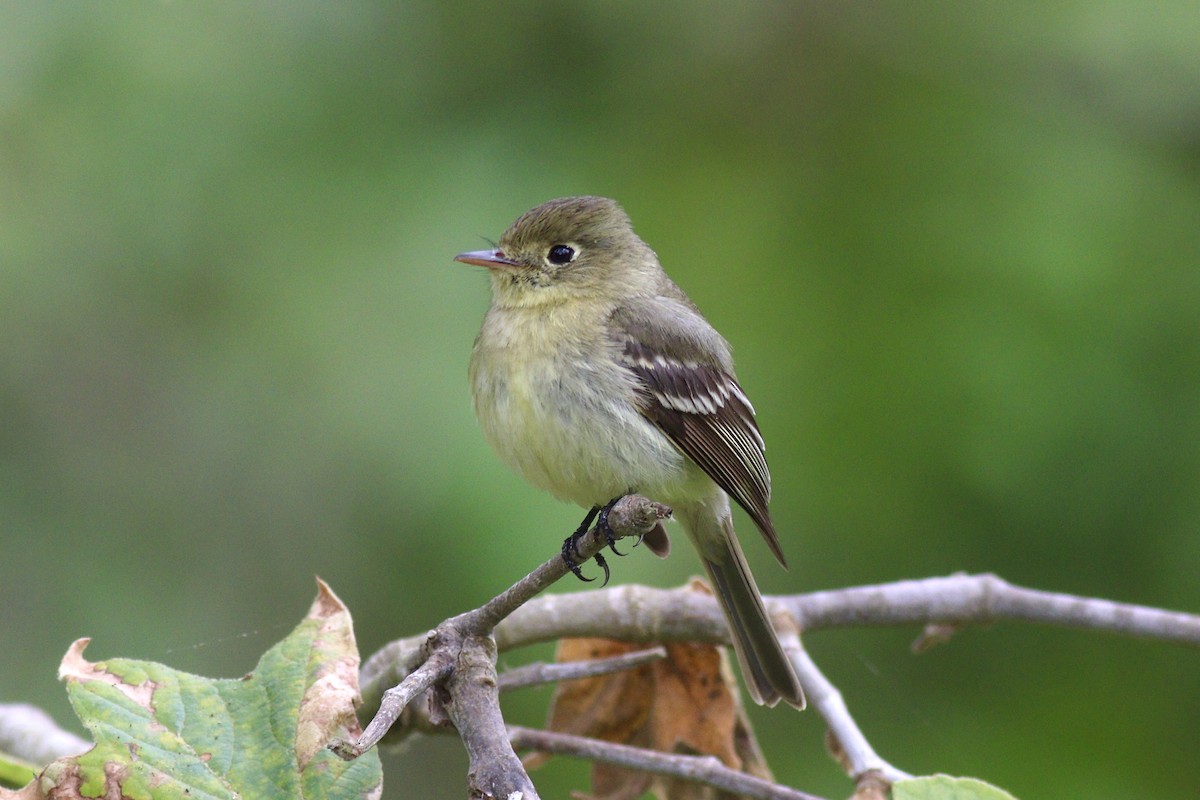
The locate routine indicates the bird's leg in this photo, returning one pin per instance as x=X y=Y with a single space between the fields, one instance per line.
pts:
x=571 y=543
x=570 y=548
x=604 y=527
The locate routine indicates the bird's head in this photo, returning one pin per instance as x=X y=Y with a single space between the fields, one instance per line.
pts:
x=574 y=247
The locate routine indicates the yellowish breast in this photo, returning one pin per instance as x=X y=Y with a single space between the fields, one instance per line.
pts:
x=557 y=406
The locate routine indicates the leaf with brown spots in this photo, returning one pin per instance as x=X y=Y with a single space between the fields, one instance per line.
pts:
x=163 y=734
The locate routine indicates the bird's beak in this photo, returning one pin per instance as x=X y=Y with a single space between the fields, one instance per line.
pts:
x=487 y=258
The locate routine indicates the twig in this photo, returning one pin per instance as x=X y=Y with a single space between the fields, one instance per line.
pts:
x=983 y=599
x=395 y=700
x=636 y=613
x=639 y=613
x=416 y=716
x=852 y=749
x=701 y=769
x=541 y=672
x=633 y=515
x=462 y=661
x=29 y=733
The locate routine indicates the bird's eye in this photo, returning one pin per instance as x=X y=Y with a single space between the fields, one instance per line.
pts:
x=561 y=254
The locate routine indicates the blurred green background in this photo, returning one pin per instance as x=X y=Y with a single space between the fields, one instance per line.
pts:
x=955 y=247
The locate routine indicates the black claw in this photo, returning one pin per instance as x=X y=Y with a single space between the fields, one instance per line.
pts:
x=570 y=548
x=604 y=566
x=606 y=529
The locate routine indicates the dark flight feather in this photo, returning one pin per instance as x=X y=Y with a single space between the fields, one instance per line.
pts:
x=706 y=414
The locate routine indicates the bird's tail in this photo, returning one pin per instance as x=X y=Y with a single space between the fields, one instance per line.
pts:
x=766 y=669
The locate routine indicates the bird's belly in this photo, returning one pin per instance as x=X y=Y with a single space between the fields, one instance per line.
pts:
x=576 y=434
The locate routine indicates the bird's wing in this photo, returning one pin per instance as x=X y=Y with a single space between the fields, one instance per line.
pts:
x=689 y=392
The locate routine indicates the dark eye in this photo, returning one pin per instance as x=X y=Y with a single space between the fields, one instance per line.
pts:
x=561 y=254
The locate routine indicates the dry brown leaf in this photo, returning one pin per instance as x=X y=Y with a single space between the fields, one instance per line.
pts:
x=612 y=707
x=686 y=703
x=693 y=709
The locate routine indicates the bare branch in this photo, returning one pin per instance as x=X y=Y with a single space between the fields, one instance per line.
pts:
x=472 y=702
x=459 y=667
x=633 y=515
x=29 y=733
x=982 y=599
x=394 y=701
x=850 y=746
x=943 y=605
x=639 y=613
x=541 y=672
x=700 y=769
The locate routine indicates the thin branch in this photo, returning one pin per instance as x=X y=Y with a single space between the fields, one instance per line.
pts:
x=416 y=717
x=851 y=747
x=979 y=600
x=541 y=672
x=643 y=614
x=459 y=668
x=945 y=604
x=29 y=733
x=632 y=515
x=394 y=701
x=707 y=770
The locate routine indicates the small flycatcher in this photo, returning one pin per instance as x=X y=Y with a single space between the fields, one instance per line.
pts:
x=595 y=376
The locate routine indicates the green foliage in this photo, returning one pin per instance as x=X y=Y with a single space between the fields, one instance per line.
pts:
x=15 y=771
x=943 y=787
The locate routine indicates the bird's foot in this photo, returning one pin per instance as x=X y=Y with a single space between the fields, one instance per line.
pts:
x=606 y=529
x=570 y=554
x=570 y=548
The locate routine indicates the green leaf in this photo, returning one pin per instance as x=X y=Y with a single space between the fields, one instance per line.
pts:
x=161 y=733
x=15 y=771
x=944 y=787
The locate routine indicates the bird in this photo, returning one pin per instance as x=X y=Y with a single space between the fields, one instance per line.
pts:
x=594 y=376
